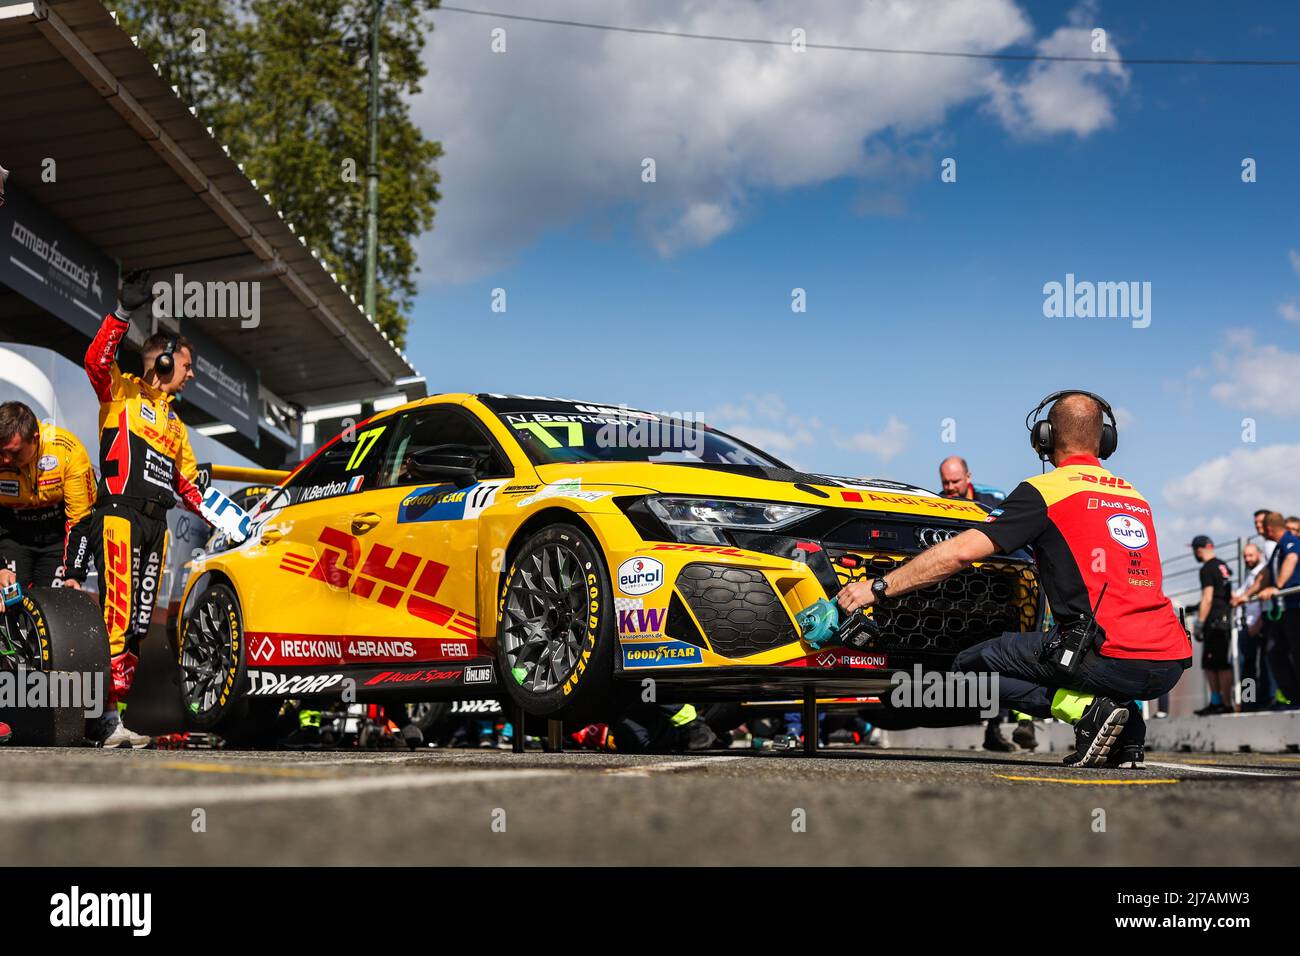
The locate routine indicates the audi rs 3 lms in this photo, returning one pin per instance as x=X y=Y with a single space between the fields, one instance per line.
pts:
x=551 y=551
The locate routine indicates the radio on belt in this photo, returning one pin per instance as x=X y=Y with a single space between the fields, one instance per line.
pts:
x=1066 y=645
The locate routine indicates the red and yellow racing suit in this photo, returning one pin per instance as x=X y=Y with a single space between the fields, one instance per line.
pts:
x=41 y=504
x=145 y=463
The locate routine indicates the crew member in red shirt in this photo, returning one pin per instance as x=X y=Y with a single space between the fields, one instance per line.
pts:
x=1089 y=529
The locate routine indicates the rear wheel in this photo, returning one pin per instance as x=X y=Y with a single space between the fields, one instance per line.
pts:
x=211 y=657
x=56 y=630
x=555 y=625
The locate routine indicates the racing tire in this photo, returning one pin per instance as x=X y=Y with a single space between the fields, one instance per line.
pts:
x=555 y=626
x=57 y=631
x=211 y=659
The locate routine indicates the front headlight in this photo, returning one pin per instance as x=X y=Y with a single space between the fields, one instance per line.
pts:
x=702 y=520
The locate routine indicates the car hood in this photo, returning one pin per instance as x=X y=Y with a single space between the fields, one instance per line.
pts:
x=764 y=484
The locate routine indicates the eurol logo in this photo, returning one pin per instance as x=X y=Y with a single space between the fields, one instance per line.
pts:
x=640 y=575
x=1128 y=531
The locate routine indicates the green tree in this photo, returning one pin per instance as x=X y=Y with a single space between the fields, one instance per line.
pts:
x=284 y=85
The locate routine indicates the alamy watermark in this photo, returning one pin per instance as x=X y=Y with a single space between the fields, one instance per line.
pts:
x=209 y=300
x=28 y=689
x=945 y=690
x=1098 y=300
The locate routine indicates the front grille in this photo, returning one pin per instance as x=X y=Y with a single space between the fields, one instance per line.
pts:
x=740 y=613
x=973 y=605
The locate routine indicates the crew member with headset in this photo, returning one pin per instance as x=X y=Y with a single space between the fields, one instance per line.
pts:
x=145 y=463
x=1117 y=638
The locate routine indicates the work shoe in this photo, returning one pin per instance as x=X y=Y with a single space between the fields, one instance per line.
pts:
x=5 y=733
x=126 y=739
x=1209 y=710
x=993 y=738
x=1126 y=757
x=1095 y=732
x=1023 y=736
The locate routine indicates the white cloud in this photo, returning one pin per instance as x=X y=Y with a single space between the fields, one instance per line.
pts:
x=764 y=420
x=1220 y=496
x=885 y=444
x=1295 y=260
x=1062 y=97
x=1290 y=311
x=552 y=133
x=1256 y=378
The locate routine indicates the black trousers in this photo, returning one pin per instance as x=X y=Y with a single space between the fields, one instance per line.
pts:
x=1026 y=685
x=36 y=565
x=1284 y=654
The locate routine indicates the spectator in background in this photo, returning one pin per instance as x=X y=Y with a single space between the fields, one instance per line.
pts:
x=954 y=475
x=1214 y=626
x=1281 y=572
x=1265 y=544
x=1255 y=682
x=1293 y=525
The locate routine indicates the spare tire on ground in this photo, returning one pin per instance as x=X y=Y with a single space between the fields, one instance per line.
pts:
x=60 y=633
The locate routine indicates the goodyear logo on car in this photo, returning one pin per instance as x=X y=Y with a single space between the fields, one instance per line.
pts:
x=663 y=654
x=447 y=502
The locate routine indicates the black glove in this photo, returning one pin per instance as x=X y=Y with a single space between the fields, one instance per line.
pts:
x=136 y=290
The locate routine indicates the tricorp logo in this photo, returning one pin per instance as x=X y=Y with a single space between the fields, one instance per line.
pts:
x=640 y=575
x=1128 y=531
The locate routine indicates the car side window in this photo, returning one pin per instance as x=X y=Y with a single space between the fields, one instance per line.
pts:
x=443 y=426
x=348 y=465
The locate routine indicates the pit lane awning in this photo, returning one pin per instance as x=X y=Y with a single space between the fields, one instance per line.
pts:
x=142 y=178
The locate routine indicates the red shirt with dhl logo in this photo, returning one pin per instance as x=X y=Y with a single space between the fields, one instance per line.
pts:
x=1090 y=528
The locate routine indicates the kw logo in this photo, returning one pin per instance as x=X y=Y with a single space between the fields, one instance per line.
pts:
x=641 y=620
x=383 y=575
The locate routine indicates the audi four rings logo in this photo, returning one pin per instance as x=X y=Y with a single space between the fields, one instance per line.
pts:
x=929 y=537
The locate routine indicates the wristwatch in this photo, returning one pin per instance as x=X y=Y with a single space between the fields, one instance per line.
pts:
x=878 y=588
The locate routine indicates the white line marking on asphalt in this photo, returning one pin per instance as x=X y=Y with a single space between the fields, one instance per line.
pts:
x=648 y=769
x=1188 y=766
x=36 y=801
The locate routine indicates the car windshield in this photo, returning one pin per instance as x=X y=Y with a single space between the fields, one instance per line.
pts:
x=559 y=432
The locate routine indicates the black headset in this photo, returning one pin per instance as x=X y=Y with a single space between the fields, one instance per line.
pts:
x=1043 y=440
x=165 y=362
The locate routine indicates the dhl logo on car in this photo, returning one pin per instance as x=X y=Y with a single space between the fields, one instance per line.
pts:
x=385 y=576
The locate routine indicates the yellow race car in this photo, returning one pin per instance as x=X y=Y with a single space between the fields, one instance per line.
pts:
x=552 y=551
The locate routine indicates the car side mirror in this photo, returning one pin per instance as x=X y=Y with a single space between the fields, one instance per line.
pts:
x=446 y=465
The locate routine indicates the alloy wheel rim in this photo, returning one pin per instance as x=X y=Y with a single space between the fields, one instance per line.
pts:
x=24 y=644
x=207 y=657
x=545 y=619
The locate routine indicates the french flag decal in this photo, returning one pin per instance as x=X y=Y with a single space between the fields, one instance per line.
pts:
x=355 y=483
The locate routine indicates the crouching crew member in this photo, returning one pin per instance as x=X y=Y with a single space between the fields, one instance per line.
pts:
x=1090 y=530
x=47 y=488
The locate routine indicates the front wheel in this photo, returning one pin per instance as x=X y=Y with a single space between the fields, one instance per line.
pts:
x=555 y=625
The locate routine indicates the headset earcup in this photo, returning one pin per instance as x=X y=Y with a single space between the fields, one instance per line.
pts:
x=1109 y=441
x=163 y=365
x=1040 y=437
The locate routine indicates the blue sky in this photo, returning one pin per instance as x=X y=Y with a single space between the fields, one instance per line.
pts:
x=925 y=298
